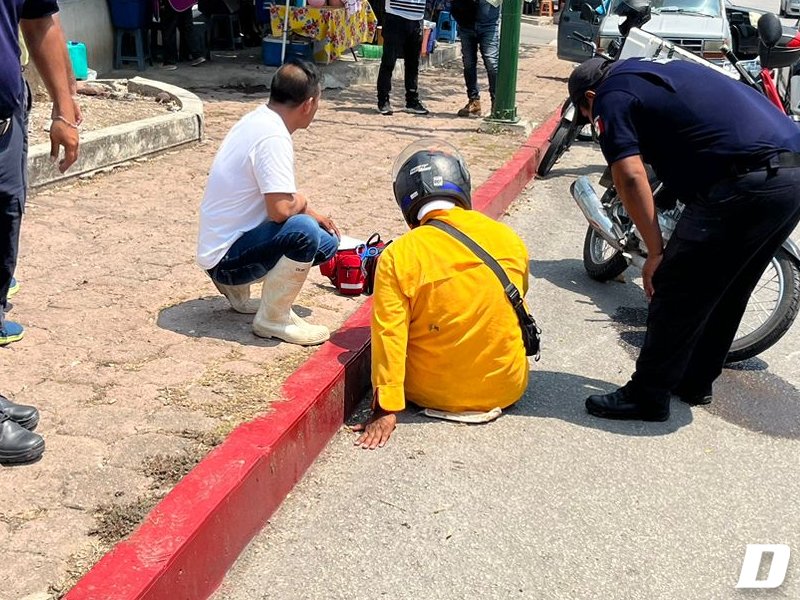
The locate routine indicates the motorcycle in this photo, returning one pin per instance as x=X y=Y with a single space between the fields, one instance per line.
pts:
x=612 y=244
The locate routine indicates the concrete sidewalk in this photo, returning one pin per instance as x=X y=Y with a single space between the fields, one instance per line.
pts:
x=136 y=363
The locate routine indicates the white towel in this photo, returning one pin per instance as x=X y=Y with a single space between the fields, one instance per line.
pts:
x=469 y=416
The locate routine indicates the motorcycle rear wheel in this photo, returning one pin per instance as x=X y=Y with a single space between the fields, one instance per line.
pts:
x=760 y=329
x=601 y=261
x=562 y=138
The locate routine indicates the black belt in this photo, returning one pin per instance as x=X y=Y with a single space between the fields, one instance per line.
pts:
x=782 y=160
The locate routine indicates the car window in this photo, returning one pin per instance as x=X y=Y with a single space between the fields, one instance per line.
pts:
x=711 y=8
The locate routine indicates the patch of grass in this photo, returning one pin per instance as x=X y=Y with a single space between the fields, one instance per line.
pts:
x=168 y=469
x=17 y=521
x=116 y=521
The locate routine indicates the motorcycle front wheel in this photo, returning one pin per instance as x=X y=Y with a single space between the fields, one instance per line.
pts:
x=560 y=141
x=772 y=309
x=602 y=261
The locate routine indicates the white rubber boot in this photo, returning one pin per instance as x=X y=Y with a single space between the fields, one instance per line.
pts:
x=239 y=297
x=275 y=317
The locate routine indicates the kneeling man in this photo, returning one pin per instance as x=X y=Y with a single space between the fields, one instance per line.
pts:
x=444 y=334
x=254 y=225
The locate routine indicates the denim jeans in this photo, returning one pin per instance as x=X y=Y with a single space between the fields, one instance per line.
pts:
x=401 y=37
x=13 y=159
x=486 y=37
x=299 y=238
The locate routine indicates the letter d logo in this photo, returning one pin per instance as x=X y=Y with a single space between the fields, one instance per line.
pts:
x=752 y=561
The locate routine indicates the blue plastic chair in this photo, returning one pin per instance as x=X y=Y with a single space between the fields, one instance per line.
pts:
x=446 y=28
x=142 y=52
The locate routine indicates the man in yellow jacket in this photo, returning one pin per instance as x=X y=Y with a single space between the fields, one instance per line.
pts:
x=444 y=334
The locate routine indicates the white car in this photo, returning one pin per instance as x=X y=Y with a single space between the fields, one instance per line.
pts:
x=790 y=8
x=699 y=26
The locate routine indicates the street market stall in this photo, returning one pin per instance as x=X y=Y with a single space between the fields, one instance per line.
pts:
x=335 y=30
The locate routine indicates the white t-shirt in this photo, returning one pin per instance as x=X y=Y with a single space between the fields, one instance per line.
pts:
x=256 y=158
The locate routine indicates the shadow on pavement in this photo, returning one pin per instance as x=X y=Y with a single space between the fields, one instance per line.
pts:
x=212 y=317
x=552 y=395
x=747 y=394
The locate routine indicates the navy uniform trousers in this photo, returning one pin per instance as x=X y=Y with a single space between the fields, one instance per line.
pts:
x=13 y=158
x=715 y=258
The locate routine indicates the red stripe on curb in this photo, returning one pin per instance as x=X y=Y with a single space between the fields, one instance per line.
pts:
x=192 y=537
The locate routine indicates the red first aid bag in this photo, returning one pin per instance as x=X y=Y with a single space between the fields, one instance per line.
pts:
x=352 y=270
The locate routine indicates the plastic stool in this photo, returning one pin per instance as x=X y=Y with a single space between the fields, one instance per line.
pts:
x=546 y=8
x=227 y=22
x=446 y=27
x=142 y=53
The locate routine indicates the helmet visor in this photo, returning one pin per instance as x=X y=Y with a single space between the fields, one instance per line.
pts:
x=429 y=145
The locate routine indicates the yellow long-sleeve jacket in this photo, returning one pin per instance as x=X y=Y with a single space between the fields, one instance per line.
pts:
x=444 y=334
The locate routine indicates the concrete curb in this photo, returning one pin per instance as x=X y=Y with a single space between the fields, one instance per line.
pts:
x=115 y=145
x=193 y=536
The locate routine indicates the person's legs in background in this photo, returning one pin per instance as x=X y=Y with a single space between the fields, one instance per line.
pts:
x=489 y=42
x=169 y=35
x=469 y=56
x=412 y=47
x=189 y=38
x=392 y=48
x=281 y=254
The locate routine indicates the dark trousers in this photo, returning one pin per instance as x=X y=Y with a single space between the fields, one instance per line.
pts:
x=173 y=21
x=711 y=265
x=13 y=159
x=401 y=37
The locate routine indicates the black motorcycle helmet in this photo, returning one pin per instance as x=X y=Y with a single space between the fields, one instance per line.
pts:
x=634 y=13
x=429 y=169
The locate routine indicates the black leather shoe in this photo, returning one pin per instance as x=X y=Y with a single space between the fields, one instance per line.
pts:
x=624 y=405
x=25 y=416
x=18 y=445
x=694 y=398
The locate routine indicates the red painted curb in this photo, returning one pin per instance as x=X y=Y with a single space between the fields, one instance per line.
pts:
x=192 y=537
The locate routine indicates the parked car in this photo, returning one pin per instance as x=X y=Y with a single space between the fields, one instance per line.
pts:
x=790 y=8
x=700 y=26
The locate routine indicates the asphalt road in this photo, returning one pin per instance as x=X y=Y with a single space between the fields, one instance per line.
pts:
x=547 y=502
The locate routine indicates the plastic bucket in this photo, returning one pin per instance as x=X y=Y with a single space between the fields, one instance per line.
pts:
x=129 y=14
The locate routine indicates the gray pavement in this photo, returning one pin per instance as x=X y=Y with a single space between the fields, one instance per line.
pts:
x=548 y=502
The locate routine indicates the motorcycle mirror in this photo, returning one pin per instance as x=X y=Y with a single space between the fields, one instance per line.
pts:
x=770 y=29
x=587 y=13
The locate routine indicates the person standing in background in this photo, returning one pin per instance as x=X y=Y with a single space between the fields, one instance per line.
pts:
x=402 y=35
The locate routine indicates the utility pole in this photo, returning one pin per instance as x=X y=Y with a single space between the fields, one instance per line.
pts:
x=505 y=103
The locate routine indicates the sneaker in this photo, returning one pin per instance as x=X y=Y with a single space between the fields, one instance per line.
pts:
x=472 y=109
x=416 y=108
x=385 y=108
x=14 y=287
x=12 y=332
x=198 y=61
x=166 y=67
x=17 y=444
x=24 y=416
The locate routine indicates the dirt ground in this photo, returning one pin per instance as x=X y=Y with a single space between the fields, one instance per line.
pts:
x=99 y=112
x=135 y=362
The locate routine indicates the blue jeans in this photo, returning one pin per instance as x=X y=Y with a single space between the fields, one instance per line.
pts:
x=299 y=238
x=487 y=38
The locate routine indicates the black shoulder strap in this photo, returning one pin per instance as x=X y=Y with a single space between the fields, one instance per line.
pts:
x=511 y=290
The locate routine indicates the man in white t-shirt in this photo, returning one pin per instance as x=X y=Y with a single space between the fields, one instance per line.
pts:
x=254 y=224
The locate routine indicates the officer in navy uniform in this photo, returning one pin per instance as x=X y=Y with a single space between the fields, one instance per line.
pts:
x=734 y=159
x=46 y=45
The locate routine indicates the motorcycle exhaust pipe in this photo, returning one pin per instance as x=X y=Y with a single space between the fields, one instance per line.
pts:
x=591 y=207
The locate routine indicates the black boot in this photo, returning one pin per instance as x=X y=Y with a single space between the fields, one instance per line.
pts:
x=625 y=404
x=694 y=397
x=25 y=416
x=18 y=445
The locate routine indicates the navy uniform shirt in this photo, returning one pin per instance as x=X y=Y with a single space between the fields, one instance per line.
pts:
x=692 y=124
x=11 y=11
